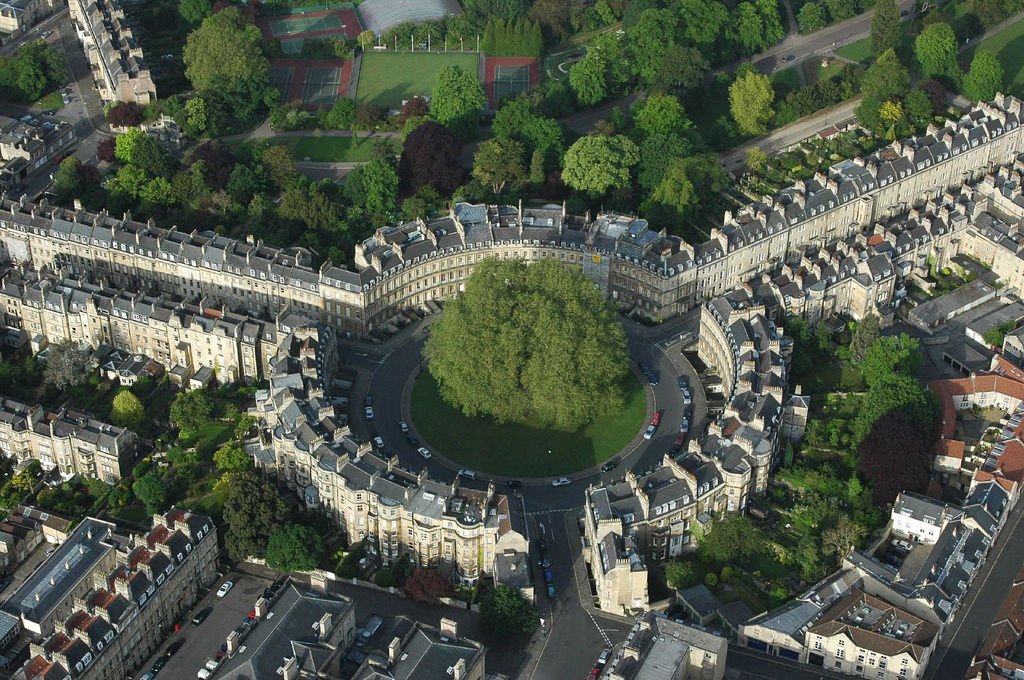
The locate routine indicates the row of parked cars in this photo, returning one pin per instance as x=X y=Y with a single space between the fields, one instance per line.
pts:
x=544 y=562
x=243 y=630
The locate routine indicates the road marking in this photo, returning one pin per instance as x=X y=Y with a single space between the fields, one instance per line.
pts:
x=600 y=630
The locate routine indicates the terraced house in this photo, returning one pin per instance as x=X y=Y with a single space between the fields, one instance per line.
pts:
x=96 y=609
x=638 y=267
x=70 y=440
x=308 y=446
x=118 y=65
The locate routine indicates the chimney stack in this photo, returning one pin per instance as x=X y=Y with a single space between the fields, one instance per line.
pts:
x=394 y=650
x=450 y=628
x=261 y=608
x=232 y=642
x=291 y=669
x=459 y=669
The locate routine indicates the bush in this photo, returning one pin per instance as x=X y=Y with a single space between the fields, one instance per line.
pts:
x=711 y=580
x=726 y=574
x=384 y=578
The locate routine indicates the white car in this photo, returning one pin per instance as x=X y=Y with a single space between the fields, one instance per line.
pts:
x=368 y=411
x=405 y=427
x=649 y=432
x=225 y=588
x=423 y=452
x=379 y=443
x=561 y=481
x=467 y=473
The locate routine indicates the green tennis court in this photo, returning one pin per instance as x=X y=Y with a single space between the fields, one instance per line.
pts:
x=281 y=79
x=510 y=80
x=293 y=24
x=321 y=85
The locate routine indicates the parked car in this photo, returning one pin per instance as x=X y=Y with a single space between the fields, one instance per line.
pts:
x=368 y=412
x=147 y=676
x=423 y=452
x=467 y=473
x=201 y=616
x=378 y=443
x=368 y=401
x=413 y=442
x=225 y=588
x=405 y=427
x=610 y=465
x=513 y=484
x=561 y=481
x=789 y=57
x=678 y=442
x=551 y=590
x=649 y=432
x=684 y=426
x=174 y=647
x=656 y=418
x=603 y=658
x=160 y=663
x=682 y=382
x=548 y=576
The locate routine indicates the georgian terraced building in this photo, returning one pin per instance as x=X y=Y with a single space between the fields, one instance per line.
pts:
x=636 y=266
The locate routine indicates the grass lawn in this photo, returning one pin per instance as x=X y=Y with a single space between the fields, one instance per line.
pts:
x=785 y=81
x=815 y=73
x=1008 y=47
x=329 y=149
x=211 y=504
x=857 y=51
x=831 y=378
x=521 y=449
x=387 y=79
x=134 y=513
x=51 y=101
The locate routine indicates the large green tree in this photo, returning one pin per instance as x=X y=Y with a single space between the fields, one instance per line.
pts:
x=194 y=11
x=886 y=78
x=67 y=364
x=985 y=77
x=529 y=339
x=750 y=101
x=891 y=354
x=894 y=456
x=935 y=49
x=231 y=457
x=506 y=613
x=588 y=78
x=294 y=547
x=702 y=21
x=597 y=163
x=253 y=512
x=191 y=410
x=457 y=99
x=224 y=62
x=864 y=336
x=127 y=410
x=661 y=114
x=811 y=17
x=500 y=163
x=681 y=69
x=649 y=39
x=885 y=27
x=151 y=492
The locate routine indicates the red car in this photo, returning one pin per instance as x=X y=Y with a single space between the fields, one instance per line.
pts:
x=677 y=444
x=656 y=418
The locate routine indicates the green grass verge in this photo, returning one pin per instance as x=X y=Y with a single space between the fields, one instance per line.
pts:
x=386 y=80
x=1008 y=47
x=329 y=149
x=856 y=51
x=51 y=101
x=521 y=449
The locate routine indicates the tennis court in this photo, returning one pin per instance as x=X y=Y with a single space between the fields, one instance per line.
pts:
x=321 y=86
x=313 y=83
x=304 y=23
x=281 y=78
x=509 y=77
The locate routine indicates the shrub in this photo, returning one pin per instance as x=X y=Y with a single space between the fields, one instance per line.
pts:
x=711 y=580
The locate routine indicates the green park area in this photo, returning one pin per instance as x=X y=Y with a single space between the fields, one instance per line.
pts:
x=385 y=80
x=521 y=449
x=1008 y=47
x=329 y=149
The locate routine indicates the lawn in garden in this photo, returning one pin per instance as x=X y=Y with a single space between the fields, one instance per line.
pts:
x=329 y=149
x=521 y=449
x=387 y=79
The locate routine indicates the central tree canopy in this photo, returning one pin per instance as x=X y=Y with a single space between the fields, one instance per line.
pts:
x=529 y=340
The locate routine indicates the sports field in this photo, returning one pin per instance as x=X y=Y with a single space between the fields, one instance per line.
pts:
x=293 y=29
x=387 y=79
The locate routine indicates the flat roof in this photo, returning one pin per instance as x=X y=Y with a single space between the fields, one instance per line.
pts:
x=74 y=560
x=935 y=311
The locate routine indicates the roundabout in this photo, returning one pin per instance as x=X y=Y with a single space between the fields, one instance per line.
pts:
x=388 y=372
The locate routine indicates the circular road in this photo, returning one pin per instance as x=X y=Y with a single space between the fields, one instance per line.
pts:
x=387 y=375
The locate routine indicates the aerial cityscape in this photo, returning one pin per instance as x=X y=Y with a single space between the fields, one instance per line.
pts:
x=511 y=339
